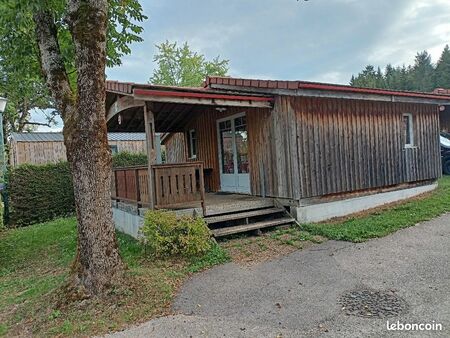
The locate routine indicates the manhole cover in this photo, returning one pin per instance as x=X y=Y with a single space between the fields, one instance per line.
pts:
x=372 y=304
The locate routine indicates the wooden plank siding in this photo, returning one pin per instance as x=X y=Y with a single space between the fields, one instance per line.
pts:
x=359 y=145
x=273 y=152
x=204 y=121
x=52 y=152
x=308 y=147
x=175 y=148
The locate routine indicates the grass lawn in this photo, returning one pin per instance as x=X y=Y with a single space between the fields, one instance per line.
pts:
x=383 y=221
x=34 y=262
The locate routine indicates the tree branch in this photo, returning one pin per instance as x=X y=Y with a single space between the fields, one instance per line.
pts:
x=37 y=124
x=52 y=63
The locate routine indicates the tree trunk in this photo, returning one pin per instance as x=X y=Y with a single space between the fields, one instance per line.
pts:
x=98 y=263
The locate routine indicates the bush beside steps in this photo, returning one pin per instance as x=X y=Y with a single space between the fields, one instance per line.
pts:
x=163 y=235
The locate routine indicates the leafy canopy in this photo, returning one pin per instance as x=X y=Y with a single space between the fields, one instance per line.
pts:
x=21 y=80
x=180 y=66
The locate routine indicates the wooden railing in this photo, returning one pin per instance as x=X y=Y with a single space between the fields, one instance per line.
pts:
x=130 y=184
x=174 y=185
x=178 y=184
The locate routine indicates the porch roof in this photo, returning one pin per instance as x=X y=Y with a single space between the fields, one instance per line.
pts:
x=171 y=105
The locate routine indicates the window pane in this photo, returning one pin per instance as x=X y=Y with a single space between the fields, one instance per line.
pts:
x=226 y=147
x=407 y=129
x=241 y=145
x=193 y=143
x=113 y=149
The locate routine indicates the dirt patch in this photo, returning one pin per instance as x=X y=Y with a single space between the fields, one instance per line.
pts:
x=252 y=250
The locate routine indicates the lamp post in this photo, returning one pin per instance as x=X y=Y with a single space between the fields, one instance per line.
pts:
x=2 y=143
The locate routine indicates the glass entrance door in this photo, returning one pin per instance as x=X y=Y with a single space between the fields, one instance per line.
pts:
x=233 y=154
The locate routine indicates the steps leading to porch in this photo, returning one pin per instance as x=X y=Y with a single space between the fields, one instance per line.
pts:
x=252 y=226
x=243 y=220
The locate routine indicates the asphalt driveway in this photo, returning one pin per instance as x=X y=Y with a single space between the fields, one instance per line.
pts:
x=297 y=295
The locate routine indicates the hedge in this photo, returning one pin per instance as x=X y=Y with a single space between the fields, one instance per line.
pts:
x=126 y=159
x=39 y=193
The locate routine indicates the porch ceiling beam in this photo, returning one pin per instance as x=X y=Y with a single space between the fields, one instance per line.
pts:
x=203 y=98
x=168 y=115
x=132 y=120
x=121 y=104
x=177 y=118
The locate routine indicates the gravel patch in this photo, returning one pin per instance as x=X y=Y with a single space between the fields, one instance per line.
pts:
x=369 y=303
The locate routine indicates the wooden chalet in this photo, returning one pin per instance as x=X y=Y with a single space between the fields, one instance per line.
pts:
x=48 y=147
x=249 y=154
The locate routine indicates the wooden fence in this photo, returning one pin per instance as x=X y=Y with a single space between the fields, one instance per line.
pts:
x=175 y=185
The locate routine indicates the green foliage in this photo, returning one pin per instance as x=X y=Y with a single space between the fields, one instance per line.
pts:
x=422 y=76
x=40 y=192
x=423 y=73
x=180 y=66
x=126 y=159
x=34 y=262
x=20 y=74
x=215 y=256
x=384 y=222
x=443 y=69
x=166 y=235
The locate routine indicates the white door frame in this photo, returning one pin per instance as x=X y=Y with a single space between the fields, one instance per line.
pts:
x=236 y=172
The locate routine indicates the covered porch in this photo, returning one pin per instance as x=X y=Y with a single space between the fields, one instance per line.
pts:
x=211 y=165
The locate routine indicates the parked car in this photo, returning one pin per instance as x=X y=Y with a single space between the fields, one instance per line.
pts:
x=445 y=152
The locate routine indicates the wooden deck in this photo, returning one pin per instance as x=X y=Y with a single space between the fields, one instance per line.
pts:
x=224 y=203
x=180 y=187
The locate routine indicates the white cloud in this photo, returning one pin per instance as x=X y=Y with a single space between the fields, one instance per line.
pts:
x=324 y=41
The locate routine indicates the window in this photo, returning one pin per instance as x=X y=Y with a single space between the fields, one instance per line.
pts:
x=114 y=149
x=192 y=143
x=408 y=130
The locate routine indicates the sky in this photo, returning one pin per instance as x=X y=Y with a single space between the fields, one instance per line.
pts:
x=315 y=40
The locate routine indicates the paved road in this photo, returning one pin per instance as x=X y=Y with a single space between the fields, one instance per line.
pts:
x=296 y=295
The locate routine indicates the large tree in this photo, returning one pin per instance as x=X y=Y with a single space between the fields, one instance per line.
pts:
x=72 y=41
x=25 y=93
x=443 y=69
x=423 y=75
x=180 y=66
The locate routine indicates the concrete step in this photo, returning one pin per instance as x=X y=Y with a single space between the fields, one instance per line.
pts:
x=252 y=226
x=242 y=215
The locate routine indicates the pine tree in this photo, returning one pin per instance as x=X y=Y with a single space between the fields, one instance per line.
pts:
x=443 y=69
x=423 y=73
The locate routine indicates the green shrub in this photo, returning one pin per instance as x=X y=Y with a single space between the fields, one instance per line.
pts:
x=126 y=159
x=163 y=234
x=39 y=193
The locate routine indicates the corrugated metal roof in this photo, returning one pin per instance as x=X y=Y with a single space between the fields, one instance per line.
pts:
x=126 y=136
x=58 y=137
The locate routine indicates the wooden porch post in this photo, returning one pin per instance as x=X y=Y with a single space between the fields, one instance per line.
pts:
x=150 y=137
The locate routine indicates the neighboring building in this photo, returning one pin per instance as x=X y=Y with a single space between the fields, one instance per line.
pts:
x=174 y=146
x=321 y=150
x=41 y=148
x=444 y=116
